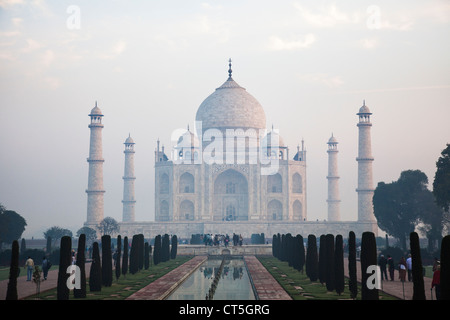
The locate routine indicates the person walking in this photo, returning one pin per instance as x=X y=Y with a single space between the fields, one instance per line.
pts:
x=382 y=262
x=436 y=282
x=402 y=269
x=46 y=265
x=409 y=267
x=391 y=265
x=29 y=265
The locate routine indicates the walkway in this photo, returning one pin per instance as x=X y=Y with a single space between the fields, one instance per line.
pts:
x=267 y=288
x=27 y=288
x=395 y=288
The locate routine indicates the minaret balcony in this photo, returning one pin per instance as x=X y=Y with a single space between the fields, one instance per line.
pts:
x=95 y=160
x=95 y=191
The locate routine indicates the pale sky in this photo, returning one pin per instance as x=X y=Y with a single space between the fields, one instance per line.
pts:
x=150 y=64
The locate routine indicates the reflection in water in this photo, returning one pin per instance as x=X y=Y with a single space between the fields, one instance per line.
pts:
x=233 y=282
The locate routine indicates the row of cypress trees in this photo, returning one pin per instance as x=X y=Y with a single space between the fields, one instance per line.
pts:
x=327 y=263
x=165 y=248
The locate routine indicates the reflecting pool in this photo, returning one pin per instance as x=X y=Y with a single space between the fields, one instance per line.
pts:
x=232 y=282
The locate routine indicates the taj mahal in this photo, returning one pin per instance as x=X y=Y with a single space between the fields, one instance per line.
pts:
x=230 y=174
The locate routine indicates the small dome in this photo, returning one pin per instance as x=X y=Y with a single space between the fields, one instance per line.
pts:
x=129 y=140
x=96 y=111
x=188 y=139
x=267 y=140
x=332 y=140
x=364 y=109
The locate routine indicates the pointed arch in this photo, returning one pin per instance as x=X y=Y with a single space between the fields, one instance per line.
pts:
x=186 y=183
x=297 y=210
x=297 y=185
x=275 y=210
x=164 y=183
x=187 y=210
x=274 y=183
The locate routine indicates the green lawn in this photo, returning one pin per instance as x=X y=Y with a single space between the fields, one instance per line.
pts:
x=4 y=273
x=300 y=287
x=125 y=286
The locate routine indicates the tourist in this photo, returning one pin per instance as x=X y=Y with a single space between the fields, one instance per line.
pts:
x=45 y=267
x=391 y=266
x=402 y=269
x=435 y=264
x=436 y=282
x=409 y=267
x=382 y=262
x=29 y=265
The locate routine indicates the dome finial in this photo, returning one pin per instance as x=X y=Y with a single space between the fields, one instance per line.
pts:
x=229 y=69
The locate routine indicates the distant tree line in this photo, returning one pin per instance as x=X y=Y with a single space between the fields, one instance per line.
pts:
x=406 y=204
x=257 y=238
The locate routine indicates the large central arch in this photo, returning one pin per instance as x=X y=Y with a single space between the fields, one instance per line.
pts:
x=230 y=197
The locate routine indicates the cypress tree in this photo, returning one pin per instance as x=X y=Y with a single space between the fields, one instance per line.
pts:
x=322 y=259
x=279 y=246
x=368 y=258
x=165 y=256
x=65 y=260
x=174 y=249
x=81 y=261
x=157 y=250
x=146 y=256
x=295 y=248
x=125 y=256
x=312 y=263
x=330 y=272
x=274 y=246
x=134 y=255
x=118 y=257
x=141 y=248
x=418 y=284
x=352 y=282
x=11 y=291
x=300 y=257
x=445 y=268
x=339 y=264
x=95 y=273
x=106 y=261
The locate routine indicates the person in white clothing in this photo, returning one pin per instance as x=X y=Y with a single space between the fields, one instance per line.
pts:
x=409 y=267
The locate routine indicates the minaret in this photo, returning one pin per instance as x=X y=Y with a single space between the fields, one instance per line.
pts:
x=128 y=182
x=333 y=181
x=365 y=181
x=95 y=181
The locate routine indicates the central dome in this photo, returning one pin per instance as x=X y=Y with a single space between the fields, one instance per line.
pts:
x=231 y=106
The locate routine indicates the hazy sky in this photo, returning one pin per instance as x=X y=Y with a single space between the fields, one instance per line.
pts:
x=150 y=64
